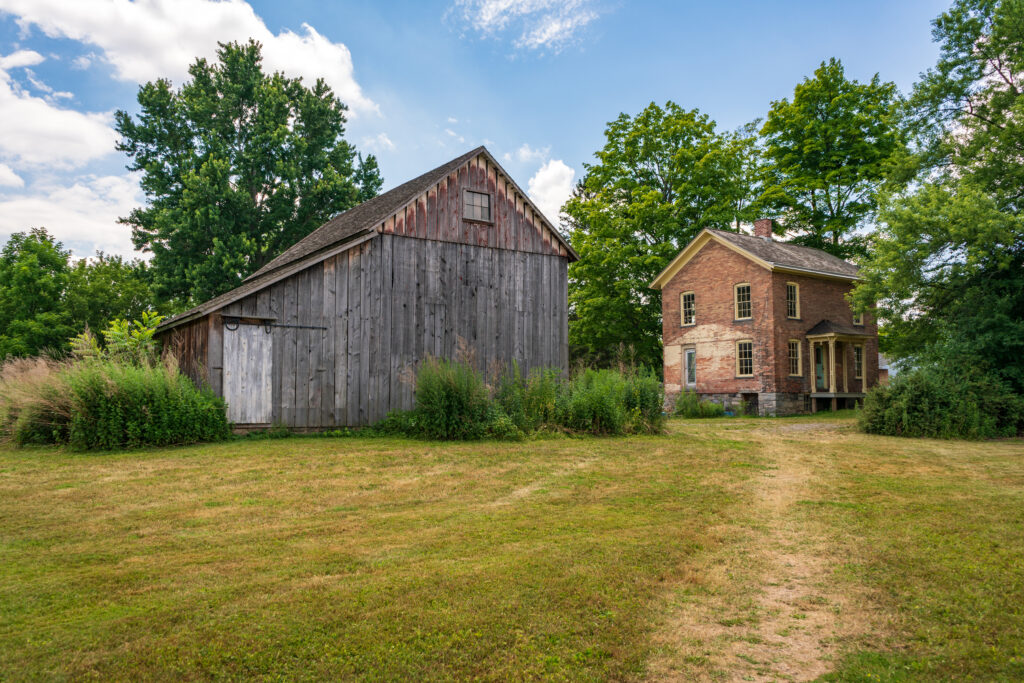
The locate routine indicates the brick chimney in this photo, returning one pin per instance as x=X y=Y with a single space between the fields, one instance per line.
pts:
x=763 y=228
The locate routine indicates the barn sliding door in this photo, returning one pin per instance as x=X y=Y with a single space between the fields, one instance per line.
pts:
x=248 y=354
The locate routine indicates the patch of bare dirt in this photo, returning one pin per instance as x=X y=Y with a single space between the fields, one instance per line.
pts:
x=764 y=606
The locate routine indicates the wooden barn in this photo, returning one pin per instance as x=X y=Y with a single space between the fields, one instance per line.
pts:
x=330 y=332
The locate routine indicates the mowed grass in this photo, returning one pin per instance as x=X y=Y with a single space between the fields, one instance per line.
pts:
x=557 y=559
x=313 y=558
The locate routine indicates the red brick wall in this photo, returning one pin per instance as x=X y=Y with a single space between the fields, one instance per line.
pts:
x=820 y=299
x=711 y=275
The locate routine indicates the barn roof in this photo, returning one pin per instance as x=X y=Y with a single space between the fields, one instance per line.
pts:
x=347 y=229
x=769 y=253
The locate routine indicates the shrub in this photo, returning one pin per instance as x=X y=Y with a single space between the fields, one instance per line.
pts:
x=611 y=402
x=937 y=403
x=105 y=404
x=452 y=402
x=691 y=405
x=529 y=402
x=122 y=405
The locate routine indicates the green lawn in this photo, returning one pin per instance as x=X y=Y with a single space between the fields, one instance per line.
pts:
x=731 y=548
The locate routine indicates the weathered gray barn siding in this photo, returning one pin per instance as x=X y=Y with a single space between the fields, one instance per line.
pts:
x=391 y=302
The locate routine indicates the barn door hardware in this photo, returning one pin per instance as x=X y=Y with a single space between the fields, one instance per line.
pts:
x=232 y=322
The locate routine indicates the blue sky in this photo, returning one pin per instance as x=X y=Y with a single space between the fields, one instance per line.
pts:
x=534 y=80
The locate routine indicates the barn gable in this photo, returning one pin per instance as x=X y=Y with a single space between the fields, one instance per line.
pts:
x=427 y=207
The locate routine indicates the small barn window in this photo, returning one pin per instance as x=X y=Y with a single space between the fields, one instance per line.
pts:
x=743 y=301
x=745 y=358
x=687 y=304
x=792 y=300
x=476 y=206
x=795 y=364
x=858 y=362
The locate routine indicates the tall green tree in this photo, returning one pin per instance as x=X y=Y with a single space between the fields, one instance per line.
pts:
x=827 y=152
x=237 y=165
x=947 y=263
x=661 y=177
x=33 y=283
x=106 y=288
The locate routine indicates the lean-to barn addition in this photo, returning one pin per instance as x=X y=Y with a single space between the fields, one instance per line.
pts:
x=329 y=333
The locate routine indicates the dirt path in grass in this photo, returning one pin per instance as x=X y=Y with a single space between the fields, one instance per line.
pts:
x=763 y=605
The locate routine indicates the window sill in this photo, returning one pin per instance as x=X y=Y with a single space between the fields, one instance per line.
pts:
x=477 y=221
x=688 y=325
x=744 y=377
x=742 y=320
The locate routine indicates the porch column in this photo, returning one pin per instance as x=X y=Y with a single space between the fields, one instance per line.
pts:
x=845 y=370
x=832 y=365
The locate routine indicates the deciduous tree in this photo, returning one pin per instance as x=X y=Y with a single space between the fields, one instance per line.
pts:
x=237 y=165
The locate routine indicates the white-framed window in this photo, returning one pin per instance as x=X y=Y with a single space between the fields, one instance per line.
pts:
x=858 y=361
x=688 y=308
x=741 y=298
x=476 y=206
x=745 y=358
x=796 y=366
x=858 y=318
x=690 y=366
x=792 y=300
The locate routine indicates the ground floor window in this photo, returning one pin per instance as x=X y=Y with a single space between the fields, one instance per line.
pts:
x=690 y=366
x=745 y=358
x=858 y=362
x=795 y=365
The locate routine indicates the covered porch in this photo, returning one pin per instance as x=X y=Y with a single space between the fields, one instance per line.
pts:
x=830 y=344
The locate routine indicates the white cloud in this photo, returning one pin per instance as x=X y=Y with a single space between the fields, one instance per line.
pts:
x=36 y=132
x=526 y=154
x=86 y=211
x=21 y=58
x=149 y=39
x=8 y=178
x=83 y=62
x=452 y=133
x=550 y=187
x=378 y=143
x=550 y=24
x=452 y=119
x=50 y=92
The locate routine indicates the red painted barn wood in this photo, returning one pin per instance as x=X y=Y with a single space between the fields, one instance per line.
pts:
x=806 y=348
x=349 y=312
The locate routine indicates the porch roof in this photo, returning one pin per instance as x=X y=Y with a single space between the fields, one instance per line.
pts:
x=828 y=328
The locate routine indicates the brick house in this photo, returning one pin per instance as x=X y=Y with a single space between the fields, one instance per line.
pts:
x=747 y=319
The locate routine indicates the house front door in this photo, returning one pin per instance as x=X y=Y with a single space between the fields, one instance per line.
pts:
x=820 y=383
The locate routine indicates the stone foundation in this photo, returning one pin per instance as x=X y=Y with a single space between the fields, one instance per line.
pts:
x=768 y=404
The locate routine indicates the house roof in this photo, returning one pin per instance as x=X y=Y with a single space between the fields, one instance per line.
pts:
x=828 y=327
x=769 y=253
x=347 y=229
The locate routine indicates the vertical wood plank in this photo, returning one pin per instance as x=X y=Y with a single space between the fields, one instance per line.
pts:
x=316 y=344
x=341 y=361
x=355 y=341
x=329 y=320
x=302 y=338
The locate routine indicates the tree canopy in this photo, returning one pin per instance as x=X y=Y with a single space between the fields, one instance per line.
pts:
x=826 y=154
x=46 y=297
x=661 y=177
x=237 y=165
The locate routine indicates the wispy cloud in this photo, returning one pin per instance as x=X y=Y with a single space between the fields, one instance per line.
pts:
x=379 y=143
x=536 y=24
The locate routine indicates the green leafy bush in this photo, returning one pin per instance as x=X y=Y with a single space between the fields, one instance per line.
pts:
x=123 y=405
x=691 y=405
x=452 y=402
x=935 y=402
x=611 y=402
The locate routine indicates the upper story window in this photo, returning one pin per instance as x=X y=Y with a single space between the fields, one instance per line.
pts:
x=688 y=308
x=858 y=362
x=792 y=300
x=745 y=358
x=858 y=318
x=476 y=206
x=742 y=301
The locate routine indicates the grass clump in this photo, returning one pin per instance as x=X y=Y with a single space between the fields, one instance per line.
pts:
x=935 y=403
x=691 y=405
